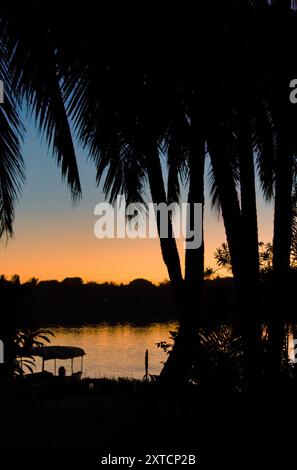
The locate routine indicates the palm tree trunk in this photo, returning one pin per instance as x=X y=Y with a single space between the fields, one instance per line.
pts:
x=248 y=204
x=283 y=215
x=235 y=225
x=282 y=230
x=186 y=346
x=194 y=258
x=174 y=369
x=168 y=245
x=250 y=246
x=178 y=365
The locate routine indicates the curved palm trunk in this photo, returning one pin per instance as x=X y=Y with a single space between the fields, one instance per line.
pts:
x=174 y=370
x=185 y=350
x=178 y=365
x=168 y=245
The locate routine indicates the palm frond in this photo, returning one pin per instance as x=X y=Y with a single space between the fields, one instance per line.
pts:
x=12 y=174
x=176 y=147
x=265 y=147
x=36 y=78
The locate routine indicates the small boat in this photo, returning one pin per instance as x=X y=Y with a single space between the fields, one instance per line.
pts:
x=61 y=353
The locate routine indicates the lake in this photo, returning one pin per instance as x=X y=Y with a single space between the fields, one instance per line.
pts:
x=113 y=350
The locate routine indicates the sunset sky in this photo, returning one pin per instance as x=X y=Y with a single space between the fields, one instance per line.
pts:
x=54 y=240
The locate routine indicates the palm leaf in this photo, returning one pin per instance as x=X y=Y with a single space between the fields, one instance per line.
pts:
x=37 y=80
x=11 y=161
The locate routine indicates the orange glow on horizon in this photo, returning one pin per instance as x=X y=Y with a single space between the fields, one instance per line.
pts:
x=64 y=245
x=83 y=256
x=118 y=261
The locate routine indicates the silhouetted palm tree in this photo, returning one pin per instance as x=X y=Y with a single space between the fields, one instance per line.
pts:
x=246 y=120
x=284 y=117
x=29 y=70
x=31 y=77
x=125 y=123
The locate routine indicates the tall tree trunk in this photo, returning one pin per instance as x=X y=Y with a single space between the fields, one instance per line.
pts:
x=248 y=203
x=175 y=368
x=186 y=346
x=282 y=231
x=250 y=247
x=235 y=225
x=188 y=293
x=194 y=258
x=168 y=245
x=281 y=252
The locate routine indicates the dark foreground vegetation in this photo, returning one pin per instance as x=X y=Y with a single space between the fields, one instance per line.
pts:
x=131 y=416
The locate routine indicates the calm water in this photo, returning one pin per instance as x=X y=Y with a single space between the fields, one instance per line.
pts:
x=113 y=350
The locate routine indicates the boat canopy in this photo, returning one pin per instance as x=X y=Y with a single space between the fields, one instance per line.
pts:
x=56 y=352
